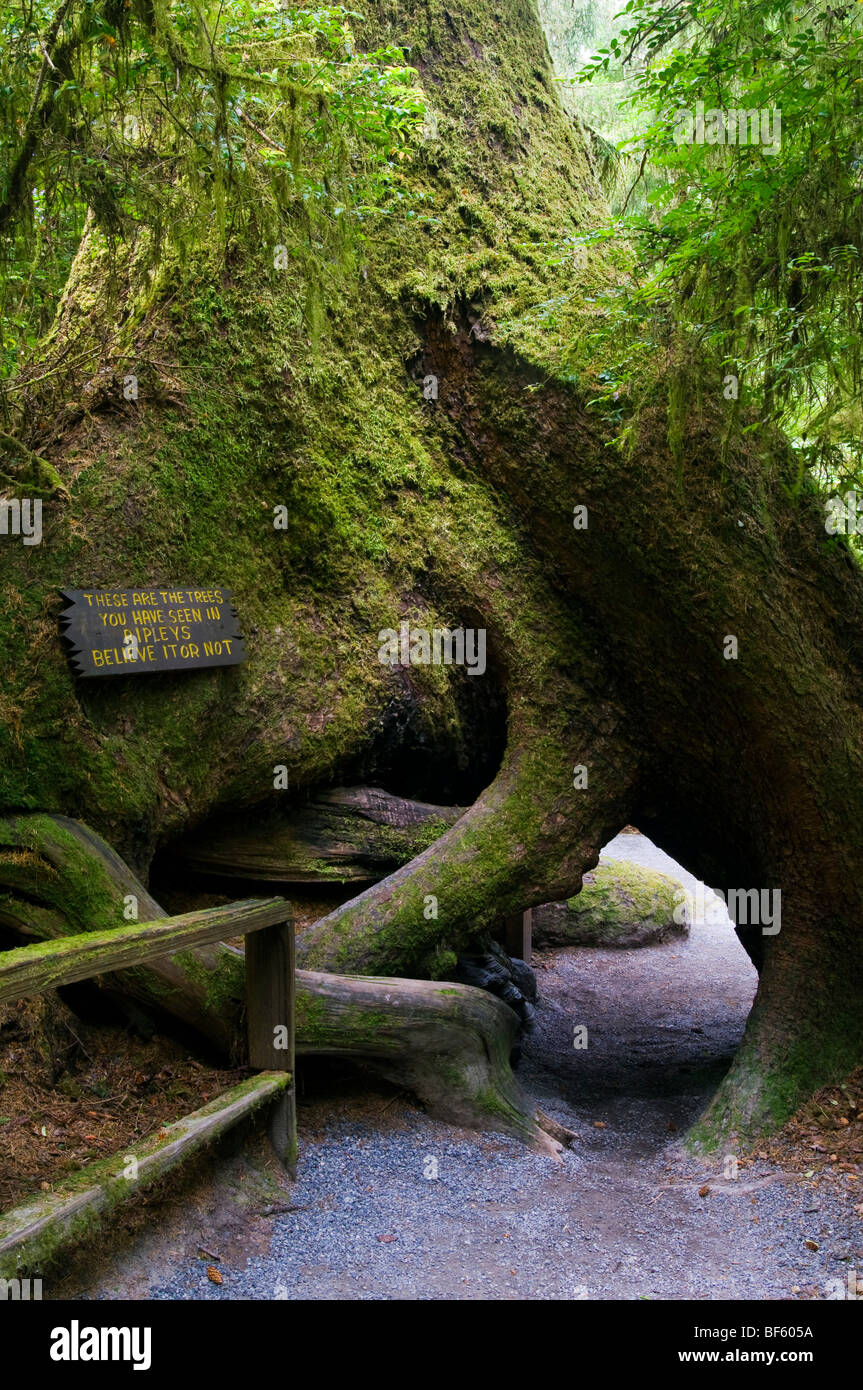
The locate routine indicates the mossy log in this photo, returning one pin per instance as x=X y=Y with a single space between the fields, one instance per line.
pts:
x=58 y=878
x=347 y=835
x=34 y=1232
x=448 y=1044
x=526 y=840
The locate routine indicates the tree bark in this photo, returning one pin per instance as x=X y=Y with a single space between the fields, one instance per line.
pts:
x=347 y=835
x=526 y=840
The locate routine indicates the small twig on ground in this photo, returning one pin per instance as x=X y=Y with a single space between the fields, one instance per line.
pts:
x=77 y=1039
x=392 y=1100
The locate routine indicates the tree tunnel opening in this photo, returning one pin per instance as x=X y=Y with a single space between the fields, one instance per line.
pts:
x=638 y=1037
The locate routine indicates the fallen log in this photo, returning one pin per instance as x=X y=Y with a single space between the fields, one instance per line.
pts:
x=31 y=1234
x=347 y=835
x=449 y=1044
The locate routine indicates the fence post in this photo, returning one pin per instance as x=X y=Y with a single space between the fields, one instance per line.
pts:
x=270 y=996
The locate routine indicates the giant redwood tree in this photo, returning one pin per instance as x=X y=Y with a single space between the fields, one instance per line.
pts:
x=422 y=398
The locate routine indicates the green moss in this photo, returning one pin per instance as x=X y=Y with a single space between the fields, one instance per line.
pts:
x=441 y=963
x=83 y=893
x=316 y=1030
x=222 y=986
x=365 y=1023
x=311 y=1025
x=493 y=1103
x=184 y=486
x=107 y=1174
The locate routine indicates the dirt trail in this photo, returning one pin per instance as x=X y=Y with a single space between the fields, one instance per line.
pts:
x=391 y=1204
x=662 y=1023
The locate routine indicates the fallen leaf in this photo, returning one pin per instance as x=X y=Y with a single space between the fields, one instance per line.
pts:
x=704 y=1191
x=214 y=1275
x=811 y=1244
x=599 y=1124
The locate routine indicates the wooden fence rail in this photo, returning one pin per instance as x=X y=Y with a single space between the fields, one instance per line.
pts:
x=39 y=1227
x=36 y=969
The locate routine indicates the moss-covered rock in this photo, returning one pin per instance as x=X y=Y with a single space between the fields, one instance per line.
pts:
x=619 y=904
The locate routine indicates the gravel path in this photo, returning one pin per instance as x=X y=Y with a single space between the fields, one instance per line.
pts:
x=394 y=1205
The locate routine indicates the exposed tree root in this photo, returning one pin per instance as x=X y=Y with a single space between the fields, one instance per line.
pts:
x=449 y=1044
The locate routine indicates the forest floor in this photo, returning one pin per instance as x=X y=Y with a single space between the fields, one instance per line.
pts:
x=391 y=1204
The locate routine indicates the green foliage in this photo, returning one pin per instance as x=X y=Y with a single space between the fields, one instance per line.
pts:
x=747 y=255
x=181 y=119
x=575 y=29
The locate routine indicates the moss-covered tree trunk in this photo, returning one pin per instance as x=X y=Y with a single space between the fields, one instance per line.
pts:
x=448 y=1044
x=608 y=644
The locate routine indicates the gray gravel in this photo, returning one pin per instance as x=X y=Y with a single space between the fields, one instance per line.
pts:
x=499 y=1223
x=399 y=1206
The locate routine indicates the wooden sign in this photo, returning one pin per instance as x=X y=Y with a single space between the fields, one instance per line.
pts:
x=124 y=632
